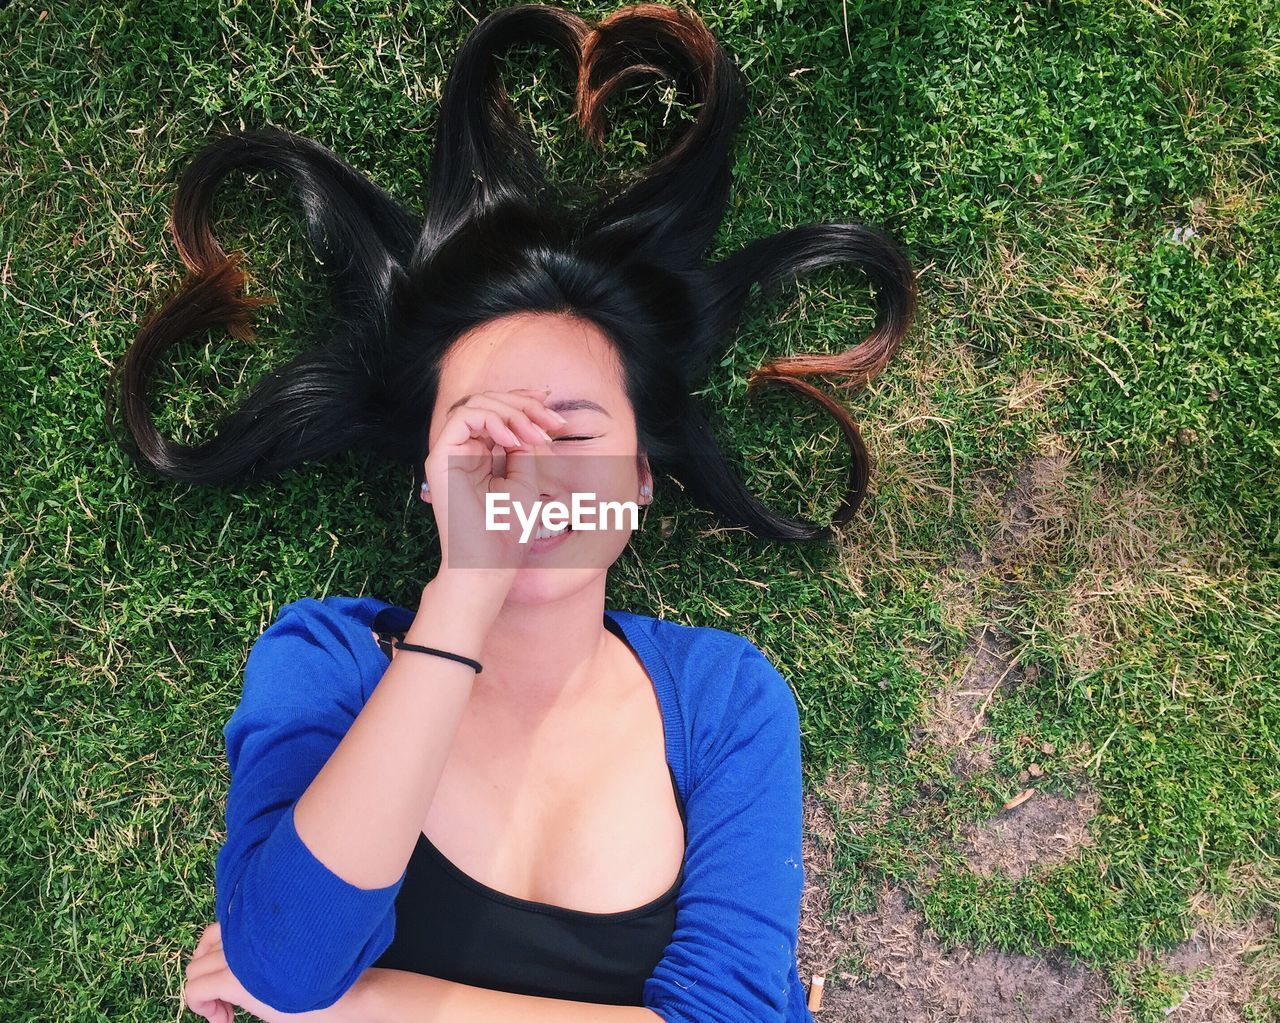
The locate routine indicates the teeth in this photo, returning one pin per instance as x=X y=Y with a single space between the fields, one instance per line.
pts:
x=542 y=534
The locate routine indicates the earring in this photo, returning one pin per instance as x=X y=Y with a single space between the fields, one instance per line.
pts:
x=425 y=490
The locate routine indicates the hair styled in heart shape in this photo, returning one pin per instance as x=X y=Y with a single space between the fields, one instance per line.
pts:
x=497 y=238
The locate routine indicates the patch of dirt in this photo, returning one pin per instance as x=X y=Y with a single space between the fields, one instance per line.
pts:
x=912 y=978
x=1131 y=542
x=820 y=946
x=1043 y=831
x=1222 y=968
x=1135 y=546
x=885 y=965
x=854 y=795
x=904 y=975
x=1035 y=517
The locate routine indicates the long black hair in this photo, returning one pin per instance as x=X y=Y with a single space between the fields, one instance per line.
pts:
x=497 y=239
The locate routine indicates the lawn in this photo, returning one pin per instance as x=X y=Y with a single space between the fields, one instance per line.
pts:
x=1036 y=673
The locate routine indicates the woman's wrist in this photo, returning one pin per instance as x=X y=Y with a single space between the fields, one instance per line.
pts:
x=456 y=609
x=475 y=592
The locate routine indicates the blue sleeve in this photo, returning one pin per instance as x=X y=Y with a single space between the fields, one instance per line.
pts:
x=738 y=910
x=294 y=933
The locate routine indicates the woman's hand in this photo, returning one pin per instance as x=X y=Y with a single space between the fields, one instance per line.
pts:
x=212 y=991
x=488 y=445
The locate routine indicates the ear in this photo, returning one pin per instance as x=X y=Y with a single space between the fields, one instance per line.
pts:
x=645 y=474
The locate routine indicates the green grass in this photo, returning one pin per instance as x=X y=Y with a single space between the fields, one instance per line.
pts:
x=1037 y=162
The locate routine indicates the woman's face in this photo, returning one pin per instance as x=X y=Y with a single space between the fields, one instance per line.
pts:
x=594 y=454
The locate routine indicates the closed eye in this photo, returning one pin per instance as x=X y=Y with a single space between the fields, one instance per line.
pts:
x=575 y=438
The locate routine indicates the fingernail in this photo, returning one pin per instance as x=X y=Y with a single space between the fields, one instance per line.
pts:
x=544 y=433
x=558 y=416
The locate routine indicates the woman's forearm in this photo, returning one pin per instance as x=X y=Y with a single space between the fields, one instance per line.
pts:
x=397 y=747
x=399 y=996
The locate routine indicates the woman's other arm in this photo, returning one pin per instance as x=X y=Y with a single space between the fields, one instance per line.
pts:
x=397 y=996
x=738 y=910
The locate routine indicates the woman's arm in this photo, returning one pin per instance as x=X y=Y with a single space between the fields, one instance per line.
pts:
x=398 y=996
x=732 y=956
x=398 y=745
x=308 y=876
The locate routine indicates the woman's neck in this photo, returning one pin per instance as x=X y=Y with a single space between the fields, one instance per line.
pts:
x=545 y=658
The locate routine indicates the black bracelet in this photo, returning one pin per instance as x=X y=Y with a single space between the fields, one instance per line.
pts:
x=401 y=645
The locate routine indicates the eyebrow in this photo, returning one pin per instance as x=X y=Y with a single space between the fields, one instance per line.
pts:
x=560 y=405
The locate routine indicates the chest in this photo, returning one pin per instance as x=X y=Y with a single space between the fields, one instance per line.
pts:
x=582 y=817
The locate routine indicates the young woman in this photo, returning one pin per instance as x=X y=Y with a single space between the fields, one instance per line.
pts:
x=529 y=806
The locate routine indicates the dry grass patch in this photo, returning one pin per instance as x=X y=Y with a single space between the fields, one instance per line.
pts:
x=1136 y=547
x=1037 y=834
x=909 y=977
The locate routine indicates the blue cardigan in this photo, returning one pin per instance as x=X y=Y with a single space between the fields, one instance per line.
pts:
x=298 y=936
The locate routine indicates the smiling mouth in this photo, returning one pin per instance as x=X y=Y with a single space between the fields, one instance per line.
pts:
x=540 y=542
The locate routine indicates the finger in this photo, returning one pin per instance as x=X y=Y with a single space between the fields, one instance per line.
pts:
x=493 y=423
x=480 y=423
x=516 y=418
x=202 y=997
x=213 y=964
x=477 y=451
x=467 y=421
x=535 y=407
x=475 y=447
x=524 y=407
x=211 y=935
x=478 y=446
x=521 y=467
x=520 y=405
x=198 y=963
x=533 y=402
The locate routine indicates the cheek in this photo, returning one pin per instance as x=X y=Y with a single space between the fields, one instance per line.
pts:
x=617 y=485
x=603 y=475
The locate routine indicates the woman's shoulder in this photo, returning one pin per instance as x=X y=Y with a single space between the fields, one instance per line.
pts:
x=705 y=657
x=724 y=681
x=329 y=634
x=705 y=639
x=329 y=620
x=334 y=606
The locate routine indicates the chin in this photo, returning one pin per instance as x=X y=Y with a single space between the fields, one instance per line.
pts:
x=541 y=585
x=586 y=567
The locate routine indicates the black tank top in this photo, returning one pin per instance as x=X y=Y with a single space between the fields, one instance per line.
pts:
x=451 y=926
